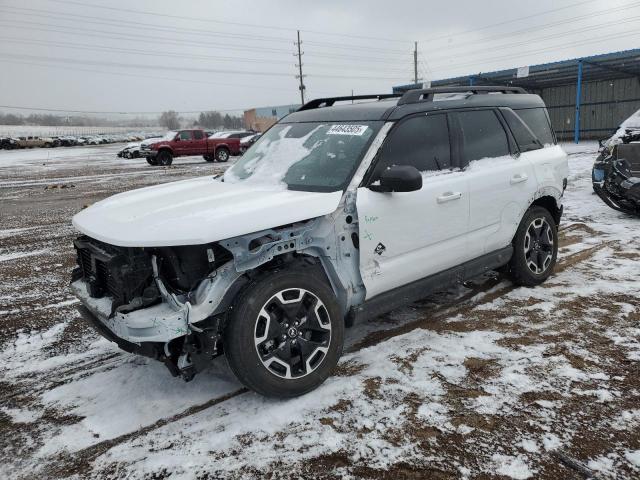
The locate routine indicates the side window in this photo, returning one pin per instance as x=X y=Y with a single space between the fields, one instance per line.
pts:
x=525 y=138
x=538 y=121
x=185 y=135
x=198 y=134
x=422 y=142
x=482 y=135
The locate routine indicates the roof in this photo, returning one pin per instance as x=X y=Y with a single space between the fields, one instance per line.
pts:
x=388 y=109
x=606 y=66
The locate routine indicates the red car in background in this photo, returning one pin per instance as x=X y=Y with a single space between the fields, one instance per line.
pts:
x=218 y=147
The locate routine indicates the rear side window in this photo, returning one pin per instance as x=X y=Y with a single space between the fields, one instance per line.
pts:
x=538 y=121
x=482 y=135
x=525 y=138
x=198 y=135
x=422 y=142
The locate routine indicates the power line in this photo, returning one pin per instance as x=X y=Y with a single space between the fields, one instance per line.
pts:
x=59 y=110
x=189 y=31
x=546 y=26
x=493 y=25
x=223 y=22
x=541 y=39
x=170 y=41
x=152 y=77
x=553 y=48
x=179 y=69
x=152 y=53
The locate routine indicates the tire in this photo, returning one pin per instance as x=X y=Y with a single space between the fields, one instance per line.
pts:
x=164 y=158
x=222 y=154
x=535 y=248
x=151 y=161
x=208 y=158
x=285 y=372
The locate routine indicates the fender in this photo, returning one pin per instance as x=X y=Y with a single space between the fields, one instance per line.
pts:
x=164 y=148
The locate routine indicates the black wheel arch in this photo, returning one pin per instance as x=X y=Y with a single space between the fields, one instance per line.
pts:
x=550 y=204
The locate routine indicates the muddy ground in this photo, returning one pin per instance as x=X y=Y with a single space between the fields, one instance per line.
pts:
x=481 y=381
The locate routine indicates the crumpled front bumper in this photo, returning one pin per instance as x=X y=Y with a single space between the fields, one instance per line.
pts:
x=157 y=323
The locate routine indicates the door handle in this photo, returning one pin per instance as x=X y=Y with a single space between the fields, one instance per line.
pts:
x=448 y=196
x=519 y=178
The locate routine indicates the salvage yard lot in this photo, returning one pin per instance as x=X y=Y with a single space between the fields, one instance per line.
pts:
x=481 y=381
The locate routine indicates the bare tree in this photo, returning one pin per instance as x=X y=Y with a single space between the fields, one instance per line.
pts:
x=170 y=120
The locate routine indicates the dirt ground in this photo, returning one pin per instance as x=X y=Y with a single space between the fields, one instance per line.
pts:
x=481 y=381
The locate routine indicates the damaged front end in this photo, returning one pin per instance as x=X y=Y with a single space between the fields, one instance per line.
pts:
x=615 y=176
x=147 y=300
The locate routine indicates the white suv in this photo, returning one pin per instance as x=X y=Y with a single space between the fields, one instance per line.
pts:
x=337 y=213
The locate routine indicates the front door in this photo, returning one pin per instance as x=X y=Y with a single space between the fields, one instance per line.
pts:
x=184 y=145
x=408 y=236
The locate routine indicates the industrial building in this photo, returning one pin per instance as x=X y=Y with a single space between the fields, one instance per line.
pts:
x=260 y=119
x=587 y=97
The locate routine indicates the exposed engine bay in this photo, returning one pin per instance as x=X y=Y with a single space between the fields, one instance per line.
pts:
x=128 y=279
x=616 y=173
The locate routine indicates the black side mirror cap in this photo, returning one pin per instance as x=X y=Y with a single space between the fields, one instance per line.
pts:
x=398 y=178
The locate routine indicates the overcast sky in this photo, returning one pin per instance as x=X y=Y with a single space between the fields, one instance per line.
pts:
x=194 y=55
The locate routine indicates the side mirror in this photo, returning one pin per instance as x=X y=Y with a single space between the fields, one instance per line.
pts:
x=398 y=178
x=177 y=139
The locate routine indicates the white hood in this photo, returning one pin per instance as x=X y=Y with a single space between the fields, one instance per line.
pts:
x=198 y=211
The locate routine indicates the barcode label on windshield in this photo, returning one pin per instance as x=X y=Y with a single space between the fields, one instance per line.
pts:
x=347 y=130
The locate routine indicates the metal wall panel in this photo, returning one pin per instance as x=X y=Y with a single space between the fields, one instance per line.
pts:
x=605 y=104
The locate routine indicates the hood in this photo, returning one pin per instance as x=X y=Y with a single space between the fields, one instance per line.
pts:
x=198 y=211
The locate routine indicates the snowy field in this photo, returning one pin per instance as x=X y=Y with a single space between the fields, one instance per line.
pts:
x=489 y=381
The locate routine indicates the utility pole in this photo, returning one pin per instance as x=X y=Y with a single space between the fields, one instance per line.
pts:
x=415 y=63
x=299 y=65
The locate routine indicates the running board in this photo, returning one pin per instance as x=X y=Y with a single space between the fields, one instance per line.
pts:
x=412 y=292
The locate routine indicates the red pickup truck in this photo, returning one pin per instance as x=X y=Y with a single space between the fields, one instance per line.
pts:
x=192 y=142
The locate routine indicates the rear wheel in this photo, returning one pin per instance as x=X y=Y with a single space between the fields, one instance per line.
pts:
x=164 y=158
x=285 y=334
x=208 y=158
x=222 y=154
x=535 y=248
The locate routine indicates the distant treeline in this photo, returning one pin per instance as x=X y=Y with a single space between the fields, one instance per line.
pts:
x=217 y=120
x=62 y=120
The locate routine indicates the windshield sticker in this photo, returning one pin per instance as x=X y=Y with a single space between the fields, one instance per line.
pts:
x=347 y=130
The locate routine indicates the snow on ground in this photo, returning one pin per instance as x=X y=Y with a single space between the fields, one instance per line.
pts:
x=491 y=381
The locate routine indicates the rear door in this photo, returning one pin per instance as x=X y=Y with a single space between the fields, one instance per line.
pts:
x=501 y=181
x=410 y=235
x=199 y=143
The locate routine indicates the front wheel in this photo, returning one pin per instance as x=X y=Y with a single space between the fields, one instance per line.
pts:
x=164 y=158
x=151 y=161
x=285 y=333
x=535 y=248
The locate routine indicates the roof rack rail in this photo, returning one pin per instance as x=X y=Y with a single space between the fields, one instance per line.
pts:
x=426 y=94
x=329 y=101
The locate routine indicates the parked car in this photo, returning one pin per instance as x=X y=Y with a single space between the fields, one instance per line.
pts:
x=8 y=143
x=30 y=142
x=68 y=141
x=188 y=143
x=246 y=142
x=132 y=150
x=327 y=221
x=616 y=171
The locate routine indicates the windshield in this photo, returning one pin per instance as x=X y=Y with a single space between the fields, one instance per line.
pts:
x=170 y=135
x=305 y=156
